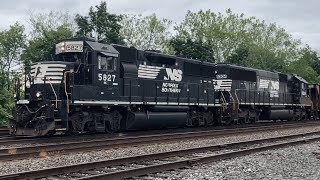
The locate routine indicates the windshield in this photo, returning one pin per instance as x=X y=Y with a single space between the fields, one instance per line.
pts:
x=70 y=57
x=106 y=63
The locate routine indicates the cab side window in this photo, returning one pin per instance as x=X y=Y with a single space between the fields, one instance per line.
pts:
x=106 y=63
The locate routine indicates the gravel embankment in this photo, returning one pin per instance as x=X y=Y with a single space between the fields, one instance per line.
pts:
x=297 y=162
x=62 y=160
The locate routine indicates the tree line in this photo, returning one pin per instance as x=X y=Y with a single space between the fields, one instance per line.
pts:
x=205 y=35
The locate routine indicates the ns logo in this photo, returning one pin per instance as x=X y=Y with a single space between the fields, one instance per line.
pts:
x=173 y=74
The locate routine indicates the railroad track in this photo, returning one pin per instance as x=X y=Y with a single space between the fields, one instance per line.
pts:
x=4 y=131
x=85 y=137
x=136 y=166
x=13 y=153
x=10 y=140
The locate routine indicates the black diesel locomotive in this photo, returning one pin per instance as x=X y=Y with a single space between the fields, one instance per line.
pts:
x=96 y=87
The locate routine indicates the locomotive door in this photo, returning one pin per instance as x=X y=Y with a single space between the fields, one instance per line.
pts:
x=108 y=76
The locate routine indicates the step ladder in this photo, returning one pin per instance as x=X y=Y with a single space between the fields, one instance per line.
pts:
x=59 y=124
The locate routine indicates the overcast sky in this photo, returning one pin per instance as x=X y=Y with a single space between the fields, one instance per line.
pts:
x=299 y=17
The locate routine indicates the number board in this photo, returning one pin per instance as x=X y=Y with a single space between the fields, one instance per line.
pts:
x=74 y=46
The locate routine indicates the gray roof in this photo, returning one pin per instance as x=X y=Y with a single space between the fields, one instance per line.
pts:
x=300 y=78
x=102 y=47
x=260 y=72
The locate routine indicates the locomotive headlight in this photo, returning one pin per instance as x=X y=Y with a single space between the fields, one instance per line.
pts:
x=38 y=94
x=60 y=47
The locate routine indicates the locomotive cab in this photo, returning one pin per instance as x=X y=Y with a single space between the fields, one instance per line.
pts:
x=95 y=73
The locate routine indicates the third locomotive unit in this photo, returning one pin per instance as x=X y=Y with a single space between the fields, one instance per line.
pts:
x=90 y=86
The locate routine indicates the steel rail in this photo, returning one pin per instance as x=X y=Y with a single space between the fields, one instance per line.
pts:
x=4 y=131
x=191 y=162
x=89 y=137
x=91 y=170
x=99 y=144
x=59 y=139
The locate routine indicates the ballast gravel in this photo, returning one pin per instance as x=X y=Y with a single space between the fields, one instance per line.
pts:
x=232 y=167
x=292 y=163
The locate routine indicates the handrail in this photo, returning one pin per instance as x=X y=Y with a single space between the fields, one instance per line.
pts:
x=237 y=97
x=65 y=87
x=54 y=92
x=284 y=94
x=224 y=101
x=233 y=101
x=223 y=98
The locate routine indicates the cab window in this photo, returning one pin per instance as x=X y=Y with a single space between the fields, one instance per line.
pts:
x=106 y=63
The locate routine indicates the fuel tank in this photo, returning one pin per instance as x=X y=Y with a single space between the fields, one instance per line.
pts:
x=155 y=120
x=282 y=114
x=169 y=108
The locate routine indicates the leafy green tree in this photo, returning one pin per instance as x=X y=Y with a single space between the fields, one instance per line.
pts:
x=307 y=66
x=304 y=70
x=47 y=29
x=239 y=56
x=6 y=104
x=234 y=38
x=12 y=41
x=271 y=47
x=219 y=34
x=100 y=24
x=146 y=32
x=192 y=49
x=262 y=58
x=310 y=57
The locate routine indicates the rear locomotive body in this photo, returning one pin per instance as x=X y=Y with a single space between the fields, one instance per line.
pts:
x=262 y=95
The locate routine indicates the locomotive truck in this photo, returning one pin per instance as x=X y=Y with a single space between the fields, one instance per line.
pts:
x=90 y=86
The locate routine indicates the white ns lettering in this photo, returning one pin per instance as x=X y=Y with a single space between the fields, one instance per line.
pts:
x=173 y=74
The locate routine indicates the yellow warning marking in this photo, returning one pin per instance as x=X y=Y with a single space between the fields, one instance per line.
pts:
x=55 y=152
x=43 y=154
x=12 y=151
